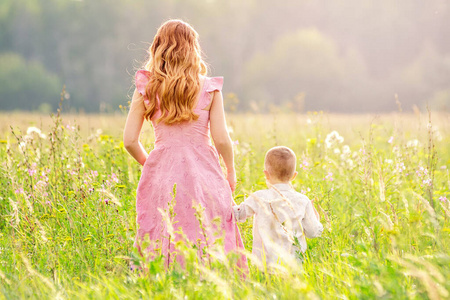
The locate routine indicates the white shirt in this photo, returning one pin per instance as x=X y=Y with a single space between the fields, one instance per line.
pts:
x=281 y=215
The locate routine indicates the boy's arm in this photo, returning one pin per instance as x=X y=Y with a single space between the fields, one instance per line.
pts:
x=311 y=222
x=244 y=210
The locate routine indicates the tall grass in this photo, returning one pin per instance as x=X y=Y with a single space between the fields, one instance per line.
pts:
x=381 y=185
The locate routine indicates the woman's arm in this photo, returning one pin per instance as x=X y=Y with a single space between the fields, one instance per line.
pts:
x=133 y=128
x=221 y=138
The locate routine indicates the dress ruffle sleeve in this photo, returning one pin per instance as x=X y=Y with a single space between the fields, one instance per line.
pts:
x=215 y=84
x=212 y=84
x=141 y=79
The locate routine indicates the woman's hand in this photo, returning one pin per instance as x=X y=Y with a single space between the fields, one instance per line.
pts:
x=231 y=178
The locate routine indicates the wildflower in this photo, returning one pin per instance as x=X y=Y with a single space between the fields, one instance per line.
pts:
x=36 y=130
x=391 y=139
x=305 y=191
x=426 y=181
x=346 y=150
x=19 y=191
x=349 y=162
x=333 y=138
x=329 y=176
x=44 y=176
x=114 y=178
x=48 y=202
x=437 y=135
x=400 y=167
x=412 y=144
x=94 y=173
x=31 y=172
x=422 y=172
x=40 y=184
x=236 y=142
x=304 y=164
x=33 y=129
x=443 y=199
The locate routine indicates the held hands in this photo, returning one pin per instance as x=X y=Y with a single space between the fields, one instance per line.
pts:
x=231 y=178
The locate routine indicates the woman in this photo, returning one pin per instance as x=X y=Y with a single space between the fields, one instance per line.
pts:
x=184 y=106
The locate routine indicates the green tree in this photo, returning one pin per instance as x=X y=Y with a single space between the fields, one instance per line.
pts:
x=26 y=85
x=305 y=61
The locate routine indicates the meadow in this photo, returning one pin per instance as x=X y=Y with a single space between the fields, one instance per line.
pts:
x=381 y=184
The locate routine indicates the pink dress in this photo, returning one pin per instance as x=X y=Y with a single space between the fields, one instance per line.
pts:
x=183 y=155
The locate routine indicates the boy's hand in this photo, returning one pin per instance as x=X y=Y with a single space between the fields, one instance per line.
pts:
x=231 y=178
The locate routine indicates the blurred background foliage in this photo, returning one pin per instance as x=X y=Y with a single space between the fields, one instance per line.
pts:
x=342 y=56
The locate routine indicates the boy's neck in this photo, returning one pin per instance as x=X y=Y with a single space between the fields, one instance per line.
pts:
x=273 y=182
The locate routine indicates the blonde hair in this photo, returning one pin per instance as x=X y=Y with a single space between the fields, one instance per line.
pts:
x=175 y=65
x=280 y=162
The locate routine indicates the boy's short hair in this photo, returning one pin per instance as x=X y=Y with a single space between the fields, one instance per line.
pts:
x=280 y=162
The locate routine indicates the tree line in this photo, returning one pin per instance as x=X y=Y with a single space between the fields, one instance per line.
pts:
x=343 y=56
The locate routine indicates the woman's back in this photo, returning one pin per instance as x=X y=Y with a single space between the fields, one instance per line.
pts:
x=187 y=133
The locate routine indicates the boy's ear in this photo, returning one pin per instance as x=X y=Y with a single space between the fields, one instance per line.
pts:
x=267 y=174
x=295 y=175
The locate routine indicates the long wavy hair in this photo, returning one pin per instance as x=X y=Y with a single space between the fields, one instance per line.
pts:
x=175 y=64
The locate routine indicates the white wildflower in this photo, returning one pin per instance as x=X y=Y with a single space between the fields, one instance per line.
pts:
x=437 y=134
x=412 y=143
x=33 y=129
x=349 y=162
x=36 y=130
x=333 y=138
x=346 y=149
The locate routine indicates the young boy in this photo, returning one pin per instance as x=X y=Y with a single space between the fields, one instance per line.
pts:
x=282 y=215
